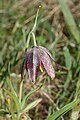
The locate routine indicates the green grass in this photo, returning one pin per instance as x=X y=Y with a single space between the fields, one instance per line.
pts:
x=58 y=30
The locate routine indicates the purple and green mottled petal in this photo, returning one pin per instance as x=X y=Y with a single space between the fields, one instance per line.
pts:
x=29 y=55
x=36 y=63
x=43 y=48
x=33 y=63
x=46 y=62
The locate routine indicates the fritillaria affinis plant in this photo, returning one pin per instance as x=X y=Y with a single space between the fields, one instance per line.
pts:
x=36 y=58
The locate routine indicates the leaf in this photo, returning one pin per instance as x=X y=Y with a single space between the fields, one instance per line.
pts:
x=32 y=105
x=20 y=93
x=63 y=110
x=15 y=98
x=28 y=95
x=12 y=112
x=68 y=80
x=11 y=87
x=69 y=20
x=67 y=58
x=77 y=89
x=9 y=81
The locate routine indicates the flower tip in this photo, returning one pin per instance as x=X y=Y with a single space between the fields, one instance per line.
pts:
x=53 y=76
x=33 y=80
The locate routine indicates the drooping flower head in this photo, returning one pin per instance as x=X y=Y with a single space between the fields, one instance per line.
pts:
x=36 y=58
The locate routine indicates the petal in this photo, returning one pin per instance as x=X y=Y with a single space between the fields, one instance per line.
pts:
x=29 y=55
x=45 y=59
x=33 y=63
x=36 y=63
x=43 y=48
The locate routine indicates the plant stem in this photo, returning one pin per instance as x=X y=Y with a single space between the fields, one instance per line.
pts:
x=32 y=32
x=35 y=44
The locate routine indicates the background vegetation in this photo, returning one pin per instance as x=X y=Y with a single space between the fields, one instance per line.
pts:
x=58 y=29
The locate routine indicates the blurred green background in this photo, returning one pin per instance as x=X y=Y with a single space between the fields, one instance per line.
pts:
x=58 y=29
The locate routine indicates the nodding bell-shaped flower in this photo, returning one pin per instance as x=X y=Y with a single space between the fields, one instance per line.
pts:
x=36 y=58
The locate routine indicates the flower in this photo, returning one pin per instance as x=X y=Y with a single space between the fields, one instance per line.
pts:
x=36 y=58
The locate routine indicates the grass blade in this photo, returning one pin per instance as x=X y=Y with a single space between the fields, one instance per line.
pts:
x=28 y=95
x=20 y=94
x=63 y=110
x=14 y=97
x=12 y=112
x=69 y=20
x=67 y=56
x=32 y=105
x=10 y=86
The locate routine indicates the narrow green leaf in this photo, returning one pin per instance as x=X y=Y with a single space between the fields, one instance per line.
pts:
x=15 y=98
x=10 y=86
x=77 y=89
x=68 y=80
x=9 y=81
x=20 y=94
x=67 y=56
x=12 y=112
x=63 y=110
x=29 y=95
x=70 y=20
x=32 y=105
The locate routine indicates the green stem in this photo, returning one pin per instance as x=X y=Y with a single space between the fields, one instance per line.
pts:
x=35 y=44
x=33 y=30
x=28 y=40
x=34 y=27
